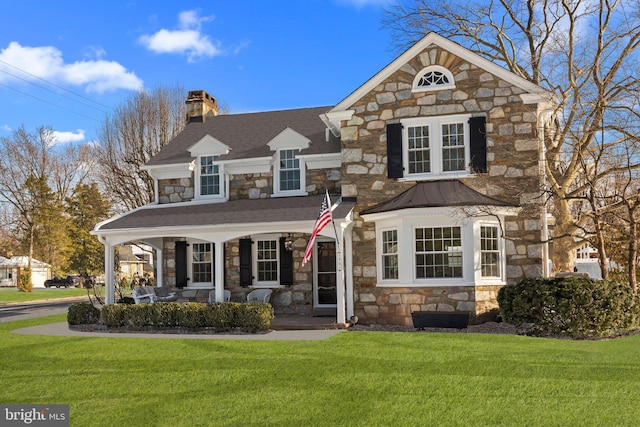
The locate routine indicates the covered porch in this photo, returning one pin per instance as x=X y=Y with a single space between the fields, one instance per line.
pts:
x=199 y=250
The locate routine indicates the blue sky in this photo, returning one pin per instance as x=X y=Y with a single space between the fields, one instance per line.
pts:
x=65 y=64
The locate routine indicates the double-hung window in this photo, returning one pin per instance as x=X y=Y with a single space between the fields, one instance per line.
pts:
x=289 y=170
x=390 y=254
x=210 y=178
x=267 y=261
x=489 y=251
x=201 y=265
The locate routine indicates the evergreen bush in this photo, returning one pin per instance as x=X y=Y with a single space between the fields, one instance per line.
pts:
x=571 y=306
x=223 y=316
x=83 y=314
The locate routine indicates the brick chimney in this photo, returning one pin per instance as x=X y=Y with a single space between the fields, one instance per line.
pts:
x=200 y=105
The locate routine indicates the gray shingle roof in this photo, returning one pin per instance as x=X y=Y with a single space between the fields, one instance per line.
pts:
x=435 y=194
x=244 y=211
x=248 y=134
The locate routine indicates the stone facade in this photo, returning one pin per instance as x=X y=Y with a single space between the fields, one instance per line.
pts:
x=249 y=186
x=513 y=175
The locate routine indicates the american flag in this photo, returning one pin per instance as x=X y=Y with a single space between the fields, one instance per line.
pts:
x=324 y=218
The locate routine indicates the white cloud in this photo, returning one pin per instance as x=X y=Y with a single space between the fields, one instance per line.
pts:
x=65 y=137
x=6 y=127
x=47 y=63
x=188 y=39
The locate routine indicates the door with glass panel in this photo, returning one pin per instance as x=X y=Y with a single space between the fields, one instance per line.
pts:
x=324 y=289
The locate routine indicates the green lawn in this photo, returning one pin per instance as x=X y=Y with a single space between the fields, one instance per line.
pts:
x=353 y=379
x=13 y=295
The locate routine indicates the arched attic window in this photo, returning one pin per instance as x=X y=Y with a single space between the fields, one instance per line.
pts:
x=433 y=77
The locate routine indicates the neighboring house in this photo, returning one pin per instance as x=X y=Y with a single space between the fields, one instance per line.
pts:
x=10 y=269
x=133 y=261
x=434 y=167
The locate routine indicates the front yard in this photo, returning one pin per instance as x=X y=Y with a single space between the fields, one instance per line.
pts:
x=38 y=294
x=353 y=379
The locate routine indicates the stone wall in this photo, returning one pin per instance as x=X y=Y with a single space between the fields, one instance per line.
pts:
x=175 y=190
x=513 y=175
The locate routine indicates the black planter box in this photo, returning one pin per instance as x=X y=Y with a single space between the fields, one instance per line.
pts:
x=439 y=319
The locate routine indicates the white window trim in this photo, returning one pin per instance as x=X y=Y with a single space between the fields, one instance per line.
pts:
x=406 y=222
x=435 y=146
x=223 y=183
x=199 y=285
x=254 y=260
x=437 y=68
x=277 y=192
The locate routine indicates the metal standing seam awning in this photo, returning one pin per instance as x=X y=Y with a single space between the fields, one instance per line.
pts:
x=223 y=221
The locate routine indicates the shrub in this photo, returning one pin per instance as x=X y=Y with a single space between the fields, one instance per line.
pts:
x=571 y=306
x=254 y=317
x=83 y=314
x=24 y=280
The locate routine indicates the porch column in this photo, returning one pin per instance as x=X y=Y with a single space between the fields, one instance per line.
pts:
x=340 y=300
x=348 y=270
x=159 y=268
x=219 y=271
x=109 y=279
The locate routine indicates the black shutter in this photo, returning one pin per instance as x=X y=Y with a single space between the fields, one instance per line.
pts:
x=286 y=264
x=478 y=142
x=394 y=151
x=246 y=275
x=181 y=264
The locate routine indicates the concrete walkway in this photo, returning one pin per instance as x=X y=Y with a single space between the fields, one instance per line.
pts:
x=62 y=329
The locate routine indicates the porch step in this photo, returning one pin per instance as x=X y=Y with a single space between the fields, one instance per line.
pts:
x=304 y=323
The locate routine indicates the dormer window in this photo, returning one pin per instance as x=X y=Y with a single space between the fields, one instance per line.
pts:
x=289 y=170
x=288 y=165
x=210 y=178
x=434 y=77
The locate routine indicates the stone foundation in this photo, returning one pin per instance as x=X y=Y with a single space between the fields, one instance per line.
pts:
x=393 y=306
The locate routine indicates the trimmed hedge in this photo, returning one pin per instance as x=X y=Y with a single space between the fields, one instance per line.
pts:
x=571 y=306
x=222 y=316
x=83 y=314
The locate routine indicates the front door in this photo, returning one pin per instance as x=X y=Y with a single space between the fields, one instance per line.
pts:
x=324 y=286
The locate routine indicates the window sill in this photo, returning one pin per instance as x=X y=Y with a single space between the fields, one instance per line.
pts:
x=435 y=177
x=290 y=194
x=266 y=286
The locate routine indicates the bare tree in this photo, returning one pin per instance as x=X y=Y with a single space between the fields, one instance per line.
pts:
x=134 y=132
x=584 y=51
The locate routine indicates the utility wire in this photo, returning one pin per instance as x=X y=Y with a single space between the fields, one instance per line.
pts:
x=54 y=92
x=50 y=103
x=53 y=84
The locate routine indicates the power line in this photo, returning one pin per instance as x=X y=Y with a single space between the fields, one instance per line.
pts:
x=54 y=92
x=54 y=84
x=50 y=103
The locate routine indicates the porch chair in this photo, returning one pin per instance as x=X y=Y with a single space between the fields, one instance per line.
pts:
x=152 y=294
x=259 y=295
x=212 y=296
x=142 y=294
x=163 y=294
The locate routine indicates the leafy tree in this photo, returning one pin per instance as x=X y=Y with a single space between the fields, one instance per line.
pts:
x=36 y=175
x=586 y=53
x=86 y=207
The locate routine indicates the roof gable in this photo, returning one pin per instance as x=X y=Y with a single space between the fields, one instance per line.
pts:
x=209 y=145
x=288 y=139
x=454 y=48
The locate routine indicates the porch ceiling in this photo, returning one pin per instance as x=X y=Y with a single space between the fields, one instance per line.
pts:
x=235 y=212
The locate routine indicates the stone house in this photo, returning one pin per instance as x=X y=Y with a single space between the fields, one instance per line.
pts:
x=433 y=166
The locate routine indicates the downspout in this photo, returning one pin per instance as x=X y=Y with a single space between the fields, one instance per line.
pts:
x=543 y=117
